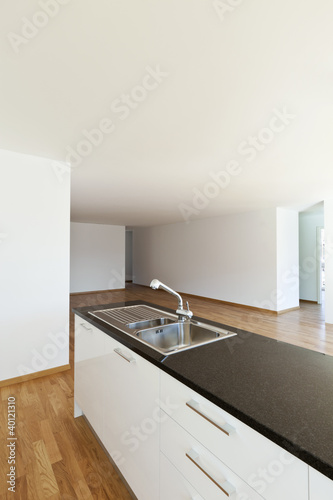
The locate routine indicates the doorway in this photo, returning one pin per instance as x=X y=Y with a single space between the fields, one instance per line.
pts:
x=311 y=254
x=320 y=264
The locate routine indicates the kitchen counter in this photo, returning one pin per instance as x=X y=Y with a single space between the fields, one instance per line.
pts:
x=283 y=391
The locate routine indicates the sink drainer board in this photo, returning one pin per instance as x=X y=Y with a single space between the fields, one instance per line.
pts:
x=130 y=314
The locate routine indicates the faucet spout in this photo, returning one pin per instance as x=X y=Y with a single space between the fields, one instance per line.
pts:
x=182 y=313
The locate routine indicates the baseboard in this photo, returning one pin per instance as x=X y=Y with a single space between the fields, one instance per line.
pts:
x=309 y=301
x=283 y=311
x=74 y=294
x=32 y=376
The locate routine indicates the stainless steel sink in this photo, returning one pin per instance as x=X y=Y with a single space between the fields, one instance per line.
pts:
x=160 y=330
x=179 y=336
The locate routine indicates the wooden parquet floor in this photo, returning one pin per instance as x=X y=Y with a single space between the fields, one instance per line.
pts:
x=58 y=457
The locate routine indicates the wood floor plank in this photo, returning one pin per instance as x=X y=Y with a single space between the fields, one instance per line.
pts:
x=3 y=419
x=69 y=457
x=20 y=392
x=45 y=389
x=34 y=484
x=50 y=442
x=64 y=481
x=21 y=490
x=56 y=402
x=5 y=393
x=47 y=478
x=26 y=455
x=78 y=441
x=65 y=387
x=21 y=462
x=82 y=490
x=32 y=423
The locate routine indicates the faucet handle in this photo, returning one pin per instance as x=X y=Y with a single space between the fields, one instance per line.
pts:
x=185 y=313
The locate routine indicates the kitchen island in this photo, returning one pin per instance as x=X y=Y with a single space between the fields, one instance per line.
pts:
x=281 y=391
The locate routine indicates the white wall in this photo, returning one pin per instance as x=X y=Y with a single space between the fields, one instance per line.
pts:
x=34 y=265
x=287 y=296
x=231 y=258
x=328 y=211
x=308 y=223
x=97 y=257
x=240 y=258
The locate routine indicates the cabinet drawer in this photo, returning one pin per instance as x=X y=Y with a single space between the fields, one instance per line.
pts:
x=209 y=476
x=321 y=487
x=271 y=471
x=173 y=485
x=86 y=346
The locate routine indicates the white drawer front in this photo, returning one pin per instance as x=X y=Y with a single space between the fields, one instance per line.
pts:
x=86 y=347
x=173 y=485
x=131 y=422
x=267 y=468
x=321 y=487
x=89 y=386
x=209 y=476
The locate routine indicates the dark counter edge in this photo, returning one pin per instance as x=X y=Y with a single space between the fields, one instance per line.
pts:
x=157 y=359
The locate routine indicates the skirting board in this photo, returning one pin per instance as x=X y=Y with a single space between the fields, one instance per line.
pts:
x=96 y=291
x=287 y=310
x=31 y=376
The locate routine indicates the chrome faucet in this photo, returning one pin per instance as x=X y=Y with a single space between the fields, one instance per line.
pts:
x=182 y=313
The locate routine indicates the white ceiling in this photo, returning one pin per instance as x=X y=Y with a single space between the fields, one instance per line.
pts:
x=223 y=72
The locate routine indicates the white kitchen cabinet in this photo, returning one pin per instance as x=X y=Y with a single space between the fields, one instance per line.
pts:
x=89 y=376
x=132 y=415
x=171 y=443
x=209 y=476
x=264 y=466
x=321 y=487
x=173 y=485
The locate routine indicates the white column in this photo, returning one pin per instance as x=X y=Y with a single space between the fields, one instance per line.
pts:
x=287 y=252
x=328 y=211
x=34 y=264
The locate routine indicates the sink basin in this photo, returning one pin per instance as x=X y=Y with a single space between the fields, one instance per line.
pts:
x=140 y=325
x=174 y=337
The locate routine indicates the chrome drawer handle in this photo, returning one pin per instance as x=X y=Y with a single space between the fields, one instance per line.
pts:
x=226 y=428
x=227 y=488
x=120 y=353
x=86 y=327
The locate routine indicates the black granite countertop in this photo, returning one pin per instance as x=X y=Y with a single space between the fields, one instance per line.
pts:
x=283 y=391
